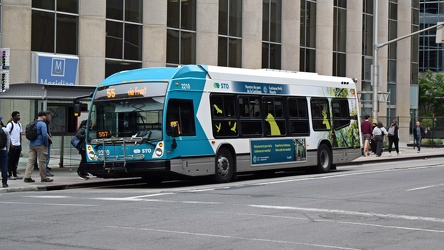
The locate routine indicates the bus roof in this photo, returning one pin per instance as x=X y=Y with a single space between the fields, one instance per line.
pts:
x=215 y=72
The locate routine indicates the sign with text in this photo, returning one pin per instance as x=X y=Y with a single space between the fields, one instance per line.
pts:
x=55 y=69
x=278 y=151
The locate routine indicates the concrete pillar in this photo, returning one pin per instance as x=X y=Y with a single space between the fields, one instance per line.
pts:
x=291 y=23
x=403 y=67
x=354 y=41
x=252 y=34
x=154 y=33
x=207 y=32
x=92 y=41
x=324 y=37
x=382 y=56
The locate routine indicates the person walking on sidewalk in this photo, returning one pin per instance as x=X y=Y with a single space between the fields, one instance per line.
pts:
x=366 y=129
x=378 y=133
x=38 y=150
x=393 y=137
x=81 y=135
x=14 y=128
x=5 y=141
x=418 y=134
x=49 y=116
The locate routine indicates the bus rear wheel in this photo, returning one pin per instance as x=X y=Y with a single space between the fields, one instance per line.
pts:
x=224 y=166
x=324 y=159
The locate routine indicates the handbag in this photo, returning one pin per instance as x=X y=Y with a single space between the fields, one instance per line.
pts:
x=75 y=142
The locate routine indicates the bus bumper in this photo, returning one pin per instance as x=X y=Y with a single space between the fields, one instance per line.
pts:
x=131 y=169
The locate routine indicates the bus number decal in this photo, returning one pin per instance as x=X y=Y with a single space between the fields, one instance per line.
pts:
x=186 y=86
x=100 y=152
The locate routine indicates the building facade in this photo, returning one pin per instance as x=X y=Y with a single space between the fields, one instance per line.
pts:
x=102 y=37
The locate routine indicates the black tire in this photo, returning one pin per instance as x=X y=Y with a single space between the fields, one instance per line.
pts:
x=224 y=166
x=324 y=159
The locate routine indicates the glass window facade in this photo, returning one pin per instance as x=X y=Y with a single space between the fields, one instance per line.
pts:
x=430 y=53
x=367 y=55
x=123 y=35
x=307 y=57
x=339 y=37
x=54 y=26
x=230 y=33
x=271 y=34
x=181 y=32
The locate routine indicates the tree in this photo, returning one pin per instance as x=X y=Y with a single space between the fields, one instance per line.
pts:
x=431 y=93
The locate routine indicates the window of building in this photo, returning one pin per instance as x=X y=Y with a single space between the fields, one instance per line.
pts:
x=181 y=32
x=123 y=35
x=271 y=34
x=339 y=37
x=307 y=57
x=54 y=27
x=230 y=33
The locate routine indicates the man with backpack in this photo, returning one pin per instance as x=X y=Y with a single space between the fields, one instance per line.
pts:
x=15 y=130
x=37 y=134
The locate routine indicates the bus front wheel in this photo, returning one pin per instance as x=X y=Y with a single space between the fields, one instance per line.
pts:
x=324 y=159
x=224 y=166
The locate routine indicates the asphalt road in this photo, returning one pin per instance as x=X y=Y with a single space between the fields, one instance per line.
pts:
x=386 y=205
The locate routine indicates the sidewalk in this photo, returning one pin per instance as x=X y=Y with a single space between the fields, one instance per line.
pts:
x=67 y=177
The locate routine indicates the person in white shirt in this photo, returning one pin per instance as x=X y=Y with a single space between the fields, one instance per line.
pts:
x=378 y=133
x=14 y=128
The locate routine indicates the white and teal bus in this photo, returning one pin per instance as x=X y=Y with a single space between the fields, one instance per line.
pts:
x=199 y=120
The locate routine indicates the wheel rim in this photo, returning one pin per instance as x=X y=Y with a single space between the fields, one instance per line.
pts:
x=323 y=159
x=223 y=166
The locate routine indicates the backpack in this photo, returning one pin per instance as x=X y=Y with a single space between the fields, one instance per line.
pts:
x=31 y=131
x=3 y=138
x=391 y=131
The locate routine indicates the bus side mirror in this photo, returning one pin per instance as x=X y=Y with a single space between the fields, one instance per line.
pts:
x=77 y=109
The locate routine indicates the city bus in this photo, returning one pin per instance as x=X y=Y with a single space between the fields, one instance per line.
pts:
x=201 y=120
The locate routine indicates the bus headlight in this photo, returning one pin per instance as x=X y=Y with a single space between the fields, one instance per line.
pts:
x=158 y=152
x=92 y=156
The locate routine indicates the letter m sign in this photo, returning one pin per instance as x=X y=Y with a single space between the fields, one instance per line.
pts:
x=58 y=67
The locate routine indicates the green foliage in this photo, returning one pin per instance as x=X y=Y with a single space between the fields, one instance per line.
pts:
x=430 y=141
x=431 y=91
x=427 y=122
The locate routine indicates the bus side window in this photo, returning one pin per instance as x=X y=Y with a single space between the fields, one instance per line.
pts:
x=298 y=116
x=224 y=118
x=320 y=114
x=341 y=113
x=181 y=111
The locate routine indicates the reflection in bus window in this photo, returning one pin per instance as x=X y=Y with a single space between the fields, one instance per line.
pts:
x=320 y=114
x=341 y=113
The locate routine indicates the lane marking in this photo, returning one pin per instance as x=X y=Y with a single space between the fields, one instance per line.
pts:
x=425 y=187
x=334 y=221
x=48 y=196
x=233 y=237
x=148 y=195
x=345 y=212
x=48 y=204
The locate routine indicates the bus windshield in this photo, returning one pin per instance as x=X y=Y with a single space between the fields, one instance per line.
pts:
x=140 y=117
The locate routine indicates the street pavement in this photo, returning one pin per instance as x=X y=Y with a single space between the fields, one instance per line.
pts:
x=66 y=177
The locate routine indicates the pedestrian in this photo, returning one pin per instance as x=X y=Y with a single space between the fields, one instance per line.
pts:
x=393 y=137
x=14 y=128
x=49 y=116
x=418 y=134
x=378 y=133
x=372 y=140
x=366 y=130
x=38 y=150
x=5 y=141
x=81 y=135
x=1 y=122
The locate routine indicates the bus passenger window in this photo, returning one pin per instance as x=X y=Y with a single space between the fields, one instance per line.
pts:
x=320 y=114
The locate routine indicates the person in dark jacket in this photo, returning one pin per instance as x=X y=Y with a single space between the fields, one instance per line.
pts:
x=393 y=139
x=81 y=135
x=418 y=134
